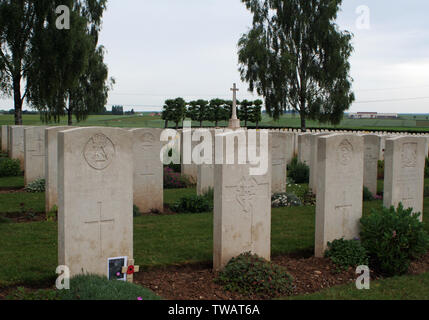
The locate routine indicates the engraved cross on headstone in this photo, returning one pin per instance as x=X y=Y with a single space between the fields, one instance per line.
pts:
x=100 y=221
x=38 y=150
x=344 y=210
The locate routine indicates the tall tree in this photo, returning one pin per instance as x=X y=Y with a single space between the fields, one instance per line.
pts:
x=296 y=57
x=68 y=75
x=17 y=20
x=216 y=112
x=197 y=111
x=244 y=111
x=255 y=114
x=174 y=110
x=167 y=112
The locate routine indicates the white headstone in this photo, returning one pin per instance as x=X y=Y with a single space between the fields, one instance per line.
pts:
x=313 y=161
x=51 y=166
x=371 y=156
x=148 y=170
x=205 y=179
x=95 y=185
x=34 y=154
x=404 y=172
x=242 y=212
x=16 y=150
x=340 y=186
x=304 y=148
x=4 y=138
x=279 y=162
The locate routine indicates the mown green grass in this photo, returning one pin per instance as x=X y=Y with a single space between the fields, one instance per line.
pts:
x=404 y=123
x=396 y=288
x=12 y=182
x=22 y=202
x=29 y=251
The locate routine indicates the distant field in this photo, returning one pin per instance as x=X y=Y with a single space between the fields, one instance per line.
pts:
x=404 y=123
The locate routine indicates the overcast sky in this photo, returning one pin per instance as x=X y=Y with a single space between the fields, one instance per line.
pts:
x=160 y=49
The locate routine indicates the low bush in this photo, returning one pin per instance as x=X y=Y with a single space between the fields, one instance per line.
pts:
x=136 y=211
x=52 y=215
x=393 y=238
x=251 y=275
x=299 y=172
x=280 y=200
x=367 y=195
x=380 y=170
x=10 y=167
x=173 y=180
x=346 y=253
x=90 y=287
x=36 y=186
x=427 y=168
x=193 y=204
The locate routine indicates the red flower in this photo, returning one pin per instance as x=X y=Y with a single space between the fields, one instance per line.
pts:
x=130 y=270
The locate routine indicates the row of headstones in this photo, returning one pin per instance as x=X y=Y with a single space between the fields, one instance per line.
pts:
x=96 y=177
x=36 y=149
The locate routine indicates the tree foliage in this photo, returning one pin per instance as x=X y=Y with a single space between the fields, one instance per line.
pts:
x=215 y=110
x=198 y=110
x=174 y=110
x=68 y=73
x=62 y=69
x=296 y=57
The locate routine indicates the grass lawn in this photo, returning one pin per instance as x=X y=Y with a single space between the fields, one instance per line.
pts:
x=403 y=123
x=22 y=202
x=396 y=288
x=12 y=182
x=29 y=250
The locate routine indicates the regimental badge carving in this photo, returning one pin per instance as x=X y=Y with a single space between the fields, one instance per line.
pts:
x=409 y=155
x=147 y=139
x=344 y=152
x=99 y=152
x=245 y=193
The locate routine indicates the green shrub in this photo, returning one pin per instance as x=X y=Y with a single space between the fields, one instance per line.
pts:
x=174 y=180
x=347 y=253
x=380 y=170
x=250 y=275
x=175 y=167
x=393 y=238
x=10 y=168
x=367 y=195
x=427 y=168
x=136 y=211
x=299 y=172
x=36 y=186
x=52 y=215
x=90 y=287
x=193 y=204
x=280 y=200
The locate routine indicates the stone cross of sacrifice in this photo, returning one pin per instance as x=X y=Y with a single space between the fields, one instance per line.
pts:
x=234 y=122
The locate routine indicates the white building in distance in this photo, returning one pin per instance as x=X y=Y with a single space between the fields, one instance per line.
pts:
x=372 y=115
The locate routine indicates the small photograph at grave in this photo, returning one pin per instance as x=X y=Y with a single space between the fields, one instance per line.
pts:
x=114 y=270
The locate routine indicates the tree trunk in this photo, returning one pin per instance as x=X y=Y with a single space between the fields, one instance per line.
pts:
x=303 y=127
x=166 y=124
x=17 y=100
x=257 y=125
x=201 y=123
x=70 y=117
x=177 y=125
x=216 y=123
